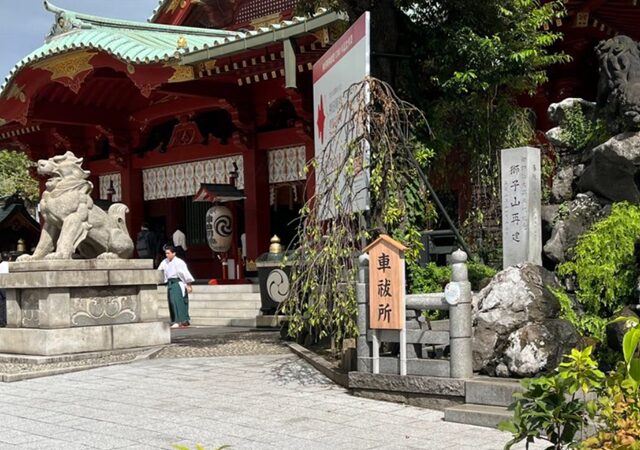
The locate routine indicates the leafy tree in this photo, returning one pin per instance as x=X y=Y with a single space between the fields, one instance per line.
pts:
x=16 y=177
x=464 y=63
x=479 y=57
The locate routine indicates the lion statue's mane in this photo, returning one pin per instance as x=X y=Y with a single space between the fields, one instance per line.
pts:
x=73 y=224
x=619 y=82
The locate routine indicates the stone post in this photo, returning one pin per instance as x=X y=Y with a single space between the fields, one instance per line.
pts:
x=362 y=292
x=460 y=319
x=521 y=210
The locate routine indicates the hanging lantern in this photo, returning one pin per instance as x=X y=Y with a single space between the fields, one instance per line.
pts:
x=219 y=228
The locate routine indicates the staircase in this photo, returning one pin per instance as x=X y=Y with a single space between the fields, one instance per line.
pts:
x=235 y=305
x=486 y=401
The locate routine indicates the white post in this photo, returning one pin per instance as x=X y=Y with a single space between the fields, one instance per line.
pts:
x=403 y=332
x=375 y=344
x=403 y=351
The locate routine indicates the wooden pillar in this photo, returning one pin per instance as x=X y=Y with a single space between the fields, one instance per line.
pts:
x=256 y=205
x=132 y=196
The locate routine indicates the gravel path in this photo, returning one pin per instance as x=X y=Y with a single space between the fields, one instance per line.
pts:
x=232 y=344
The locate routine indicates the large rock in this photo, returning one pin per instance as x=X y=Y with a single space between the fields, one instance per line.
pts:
x=539 y=347
x=558 y=112
x=613 y=166
x=516 y=313
x=561 y=189
x=572 y=220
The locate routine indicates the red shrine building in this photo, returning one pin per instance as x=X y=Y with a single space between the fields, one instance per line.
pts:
x=200 y=94
x=215 y=91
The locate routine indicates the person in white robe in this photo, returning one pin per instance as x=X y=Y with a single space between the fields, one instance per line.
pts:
x=178 y=279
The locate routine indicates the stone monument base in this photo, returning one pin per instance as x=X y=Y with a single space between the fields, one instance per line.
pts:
x=29 y=341
x=64 y=307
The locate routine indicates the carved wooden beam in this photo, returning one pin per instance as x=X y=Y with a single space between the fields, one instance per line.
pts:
x=76 y=115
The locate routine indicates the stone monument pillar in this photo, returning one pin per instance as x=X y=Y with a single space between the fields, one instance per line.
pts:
x=521 y=196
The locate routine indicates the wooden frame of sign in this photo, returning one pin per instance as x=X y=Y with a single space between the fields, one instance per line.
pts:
x=386 y=284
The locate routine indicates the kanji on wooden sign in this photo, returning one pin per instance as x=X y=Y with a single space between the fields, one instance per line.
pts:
x=386 y=284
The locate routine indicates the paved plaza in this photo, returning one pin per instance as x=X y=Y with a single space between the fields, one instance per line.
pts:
x=248 y=402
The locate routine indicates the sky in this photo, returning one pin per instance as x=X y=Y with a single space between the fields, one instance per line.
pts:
x=25 y=23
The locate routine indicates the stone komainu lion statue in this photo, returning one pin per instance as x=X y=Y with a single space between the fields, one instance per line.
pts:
x=619 y=83
x=72 y=223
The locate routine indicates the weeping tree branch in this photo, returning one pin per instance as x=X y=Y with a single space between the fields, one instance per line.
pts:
x=373 y=138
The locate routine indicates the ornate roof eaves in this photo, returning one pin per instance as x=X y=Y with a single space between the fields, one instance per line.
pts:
x=133 y=25
x=157 y=11
x=264 y=36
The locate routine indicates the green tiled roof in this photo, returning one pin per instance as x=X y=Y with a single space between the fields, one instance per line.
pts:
x=147 y=43
x=132 y=42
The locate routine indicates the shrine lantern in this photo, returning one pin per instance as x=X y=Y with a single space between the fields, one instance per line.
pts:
x=219 y=226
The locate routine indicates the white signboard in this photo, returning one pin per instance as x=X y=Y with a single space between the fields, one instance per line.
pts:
x=521 y=195
x=343 y=65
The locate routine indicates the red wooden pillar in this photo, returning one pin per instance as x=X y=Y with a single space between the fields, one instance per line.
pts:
x=132 y=196
x=256 y=205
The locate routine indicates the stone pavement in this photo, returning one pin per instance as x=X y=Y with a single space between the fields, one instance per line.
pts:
x=248 y=402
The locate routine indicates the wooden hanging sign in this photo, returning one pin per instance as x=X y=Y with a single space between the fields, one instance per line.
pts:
x=386 y=284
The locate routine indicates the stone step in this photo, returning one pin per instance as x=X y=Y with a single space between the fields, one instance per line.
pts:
x=239 y=313
x=480 y=415
x=221 y=288
x=206 y=304
x=491 y=391
x=220 y=321
x=215 y=306
x=224 y=297
x=225 y=313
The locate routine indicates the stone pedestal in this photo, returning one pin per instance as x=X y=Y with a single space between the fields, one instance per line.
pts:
x=60 y=307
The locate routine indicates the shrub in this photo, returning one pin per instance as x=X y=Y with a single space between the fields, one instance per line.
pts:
x=478 y=272
x=550 y=408
x=580 y=132
x=429 y=278
x=604 y=265
x=586 y=324
x=553 y=407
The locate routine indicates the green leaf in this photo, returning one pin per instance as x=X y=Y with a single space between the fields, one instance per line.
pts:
x=630 y=343
x=507 y=425
x=633 y=320
x=634 y=369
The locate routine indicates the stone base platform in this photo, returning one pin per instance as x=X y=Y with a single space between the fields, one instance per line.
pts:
x=270 y=321
x=30 y=341
x=57 y=307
